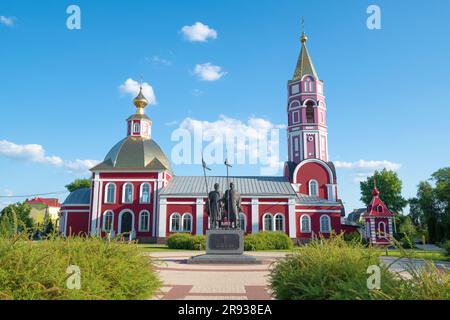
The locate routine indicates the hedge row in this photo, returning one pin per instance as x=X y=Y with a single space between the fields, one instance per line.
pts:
x=252 y=242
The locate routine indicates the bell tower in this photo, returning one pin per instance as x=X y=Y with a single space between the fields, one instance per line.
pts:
x=306 y=108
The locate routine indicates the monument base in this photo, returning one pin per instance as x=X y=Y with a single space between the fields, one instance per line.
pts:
x=224 y=246
x=223 y=259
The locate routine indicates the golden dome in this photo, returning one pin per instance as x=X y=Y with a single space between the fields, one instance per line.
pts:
x=140 y=101
x=304 y=38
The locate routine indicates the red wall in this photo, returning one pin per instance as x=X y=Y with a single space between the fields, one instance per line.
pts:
x=77 y=223
x=313 y=171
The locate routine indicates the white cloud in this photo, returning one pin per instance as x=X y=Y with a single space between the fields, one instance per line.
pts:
x=255 y=141
x=157 y=61
x=368 y=164
x=208 y=72
x=198 y=32
x=131 y=87
x=197 y=92
x=7 y=21
x=36 y=153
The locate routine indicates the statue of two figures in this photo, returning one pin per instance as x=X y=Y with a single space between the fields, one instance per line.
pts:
x=224 y=211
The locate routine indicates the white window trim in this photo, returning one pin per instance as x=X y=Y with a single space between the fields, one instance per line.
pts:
x=149 y=192
x=382 y=235
x=140 y=228
x=316 y=189
x=264 y=223
x=124 y=190
x=106 y=193
x=182 y=222
x=301 y=223
x=296 y=112
x=136 y=127
x=274 y=222
x=170 y=222
x=329 y=224
x=104 y=221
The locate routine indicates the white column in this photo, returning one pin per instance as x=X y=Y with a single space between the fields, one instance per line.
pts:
x=199 y=216
x=292 y=219
x=100 y=197
x=95 y=200
x=157 y=187
x=162 y=218
x=372 y=230
x=255 y=215
x=390 y=229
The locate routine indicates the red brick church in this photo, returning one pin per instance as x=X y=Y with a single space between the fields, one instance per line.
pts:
x=134 y=190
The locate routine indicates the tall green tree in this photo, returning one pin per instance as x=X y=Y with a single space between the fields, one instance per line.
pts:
x=15 y=218
x=78 y=184
x=432 y=205
x=390 y=187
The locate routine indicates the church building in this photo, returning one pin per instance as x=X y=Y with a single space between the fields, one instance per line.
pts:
x=135 y=192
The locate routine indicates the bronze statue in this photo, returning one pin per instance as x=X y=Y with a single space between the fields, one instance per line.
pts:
x=232 y=201
x=215 y=207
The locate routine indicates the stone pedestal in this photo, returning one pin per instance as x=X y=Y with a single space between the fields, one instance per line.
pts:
x=224 y=246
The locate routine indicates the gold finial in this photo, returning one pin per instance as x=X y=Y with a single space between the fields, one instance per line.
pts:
x=140 y=101
x=304 y=38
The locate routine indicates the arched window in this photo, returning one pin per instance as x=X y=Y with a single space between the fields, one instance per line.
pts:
x=175 y=222
x=382 y=230
x=242 y=224
x=136 y=128
x=110 y=196
x=144 y=221
x=380 y=208
x=187 y=222
x=145 y=193
x=267 y=222
x=127 y=196
x=108 y=221
x=279 y=222
x=305 y=223
x=313 y=188
x=310 y=112
x=325 y=224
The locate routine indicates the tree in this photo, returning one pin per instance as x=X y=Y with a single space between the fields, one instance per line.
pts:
x=78 y=184
x=15 y=218
x=390 y=187
x=432 y=205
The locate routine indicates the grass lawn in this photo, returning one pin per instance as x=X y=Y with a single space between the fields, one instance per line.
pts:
x=417 y=254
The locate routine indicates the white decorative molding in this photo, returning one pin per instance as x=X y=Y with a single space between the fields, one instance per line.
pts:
x=255 y=215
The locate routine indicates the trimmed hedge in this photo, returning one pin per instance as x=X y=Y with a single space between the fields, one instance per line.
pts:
x=186 y=241
x=252 y=242
x=108 y=270
x=267 y=241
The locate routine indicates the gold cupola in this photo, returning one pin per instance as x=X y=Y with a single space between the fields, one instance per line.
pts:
x=140 y=102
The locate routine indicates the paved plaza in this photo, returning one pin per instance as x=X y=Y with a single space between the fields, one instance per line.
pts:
x=222 y=282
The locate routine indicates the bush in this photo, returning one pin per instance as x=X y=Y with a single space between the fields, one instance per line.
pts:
x=353 y=237
x=335 y=269
x=109 y=270
x=446 y=247
x=186 y=241
x=267 y=241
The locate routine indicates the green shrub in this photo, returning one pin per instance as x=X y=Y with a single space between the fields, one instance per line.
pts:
x=353 y=237
x=447 y=247
x=335 y=269
x=267 y=241
x=109 y=270
x=186 y=241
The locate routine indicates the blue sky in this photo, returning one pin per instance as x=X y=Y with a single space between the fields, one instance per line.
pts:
x=387 y=90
